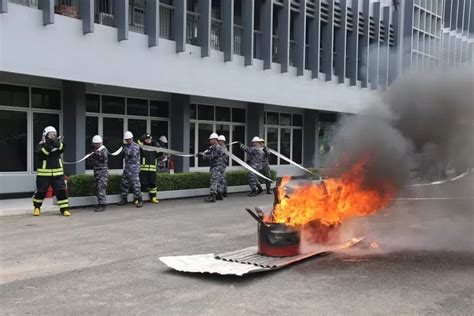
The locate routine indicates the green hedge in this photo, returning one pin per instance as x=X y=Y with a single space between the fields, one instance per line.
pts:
x=83 y=185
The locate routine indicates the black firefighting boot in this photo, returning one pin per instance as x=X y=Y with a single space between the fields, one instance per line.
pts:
x=269 y=189
x=138 y=202
x=100 y=208
x=123 y=201
x=260 y=190
x=211 y=198
x=253 y=193
x=219 y=196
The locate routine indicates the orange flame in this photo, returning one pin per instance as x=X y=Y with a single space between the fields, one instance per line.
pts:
x=333 y=201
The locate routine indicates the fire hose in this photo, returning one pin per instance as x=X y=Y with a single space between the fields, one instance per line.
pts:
x=115 y=153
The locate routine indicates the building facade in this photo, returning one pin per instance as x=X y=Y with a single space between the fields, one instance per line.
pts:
x=284 y=70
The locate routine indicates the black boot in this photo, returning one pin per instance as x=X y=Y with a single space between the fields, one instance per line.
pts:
x=211 y=198
x=219 y=196
x=138 y=202
x=260 y=190
x=123 y=201
x=269 y=190
x=253 y=193
x=100 y=208
x=224 y=194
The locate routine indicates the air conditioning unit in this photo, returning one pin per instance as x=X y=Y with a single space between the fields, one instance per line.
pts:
x=106 y=19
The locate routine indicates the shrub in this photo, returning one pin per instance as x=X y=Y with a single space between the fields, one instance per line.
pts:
x=84 y=185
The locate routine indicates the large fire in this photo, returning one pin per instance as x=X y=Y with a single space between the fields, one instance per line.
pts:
x=333 y=201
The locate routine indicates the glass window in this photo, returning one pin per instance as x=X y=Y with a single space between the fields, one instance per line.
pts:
x=272 y=118
x=193 y=112
x=40 y=121
x=192 y=128
x=113 y=105
x=137 y=127
x=13 y=140
x=272 y=142
x=285 y=119
x=93 y=103
x=238 y=115
x=137 y=107
x=14 y=95
x=223 y=129
x=159 y=108
x=222 y=114
x=159 y=128
x=204 y=130
x=92 y=129
x=45 y=98
x=113 y=139
x=297 y=145
x=297 y=120
x=238 y=134
x=206 y=112
x=285 y=144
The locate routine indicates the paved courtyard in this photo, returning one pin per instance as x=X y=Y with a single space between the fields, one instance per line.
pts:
x=107 y=263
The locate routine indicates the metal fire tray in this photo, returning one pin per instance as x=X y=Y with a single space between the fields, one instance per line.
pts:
x=244 y=261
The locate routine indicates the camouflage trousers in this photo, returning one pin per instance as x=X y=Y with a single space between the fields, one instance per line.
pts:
x=266 y=172
x=216 y=180
x=101 y=180
x=254 y=183
x=223 y=183
x=130 y=178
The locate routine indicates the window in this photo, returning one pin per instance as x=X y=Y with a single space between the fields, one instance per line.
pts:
x=206 y=113
x=13 y=141
x=238 y=115
x=137 y=107
x=222 y=114
x=238 y=134
x=284 y=133
x=92 y=103
x=204 y=130
x=113 y=105
x=113 y=133
x=137 y=127
x=92 y=129
x=159 y=108
x=14 y=96
x=45 y=98
x=40 y=121
x=159 y=128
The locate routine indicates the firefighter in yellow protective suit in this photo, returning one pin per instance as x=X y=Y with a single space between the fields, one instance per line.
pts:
x=50 y=172
x=148 y=167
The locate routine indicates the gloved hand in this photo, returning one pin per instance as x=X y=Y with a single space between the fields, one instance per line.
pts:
x=56 y=143
x=242 y=146
x=49 y=144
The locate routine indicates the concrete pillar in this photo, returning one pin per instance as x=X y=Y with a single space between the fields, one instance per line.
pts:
x=179 y=120
x=385 y=51
x=374 y=56
x=179 y=17
x=47 y=6
x=152 y=22
x=74 y=122
x=248 y=12
x=121 y=19
x=314 y=40
x=340 y=43
x=255 y=120
x=393 y=60
x=204 y=27
x=364 y=70
x=86 y=8
x=227 y=36
x=310 y=140
x=266 y=23
x=353 y=45
x=284 y=35
x=328 y=43
x=3 y=6
x=300 y=37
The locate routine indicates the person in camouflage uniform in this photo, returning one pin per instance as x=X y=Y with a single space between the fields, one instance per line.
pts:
x=256 y=158
x=214 y=156
x=131 y=171
x=163 y=158
x=100 y=158
x=222 y=189
x=266 y=166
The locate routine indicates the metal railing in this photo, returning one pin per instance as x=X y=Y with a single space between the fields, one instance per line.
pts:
x=275 y=41
x=238 y=34
x=166 y=21
x=104 y=12
x=216 y=31
x=28 y=3
x=257 y=44
x=136 y=16
x=192 y=22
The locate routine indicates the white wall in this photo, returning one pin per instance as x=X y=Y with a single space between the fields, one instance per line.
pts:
x=61 y=51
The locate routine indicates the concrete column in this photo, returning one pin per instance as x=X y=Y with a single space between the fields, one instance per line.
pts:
x=375 y=49
x=454 y=14
x=284 y=35
x=314 y=40
x=204 y=27
x=179 y=120
x=179 y=17
x=300 y=37
x=266 y=22
x=364 y=71
x=406 y=34
x=248 y=12
x=340 y=43
x=310 y=139
x=152 y=22
x=255 y=120
x=121 y=19
x=47 y=6
x=227 y=37
x=74 y=123
x=86 y=8
x=353 y=45
x=328 y=42
x=3 y=6
x=393 y=60
x=385 y=51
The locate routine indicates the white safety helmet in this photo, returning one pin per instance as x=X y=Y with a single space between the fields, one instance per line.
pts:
x=48 y=129
x=256 y=139
x=96 y=139
x=222 y=138
x=127 y=135
x=214 y=136
x=163 y=139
